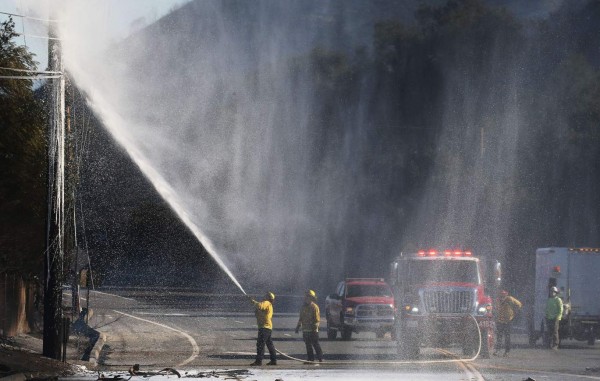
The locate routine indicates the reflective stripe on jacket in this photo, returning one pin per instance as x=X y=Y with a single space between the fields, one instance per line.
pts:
x=264 y=314
x=310 y=317
x=506 y=310
x=554 y=308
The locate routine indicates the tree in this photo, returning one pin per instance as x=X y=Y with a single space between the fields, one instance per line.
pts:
x=23 y=161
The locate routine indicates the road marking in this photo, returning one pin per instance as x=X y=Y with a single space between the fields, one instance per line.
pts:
x=470 y=371
x=240 y=322
x=157 y=314
x=540 y=371
x=117 y=296
x=195 y=348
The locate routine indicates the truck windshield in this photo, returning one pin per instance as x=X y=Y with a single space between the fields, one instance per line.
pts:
x=442 y=271
x=357 y=290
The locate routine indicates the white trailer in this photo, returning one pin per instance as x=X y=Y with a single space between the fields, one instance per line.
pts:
x=576 y=273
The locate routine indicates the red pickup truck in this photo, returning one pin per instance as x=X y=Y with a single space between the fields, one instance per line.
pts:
x=360 y=305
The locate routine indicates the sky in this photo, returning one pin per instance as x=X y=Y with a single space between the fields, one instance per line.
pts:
x=121 y=18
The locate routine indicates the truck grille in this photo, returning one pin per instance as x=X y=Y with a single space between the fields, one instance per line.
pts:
x=373 y=310
x=448 y=302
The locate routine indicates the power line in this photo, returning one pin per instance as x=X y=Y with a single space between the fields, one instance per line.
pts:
x=28 y=17
x=31 y=71
x=35 y=36
x=28 y=77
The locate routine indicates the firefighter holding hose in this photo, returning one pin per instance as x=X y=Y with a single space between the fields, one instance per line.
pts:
x=264 y=320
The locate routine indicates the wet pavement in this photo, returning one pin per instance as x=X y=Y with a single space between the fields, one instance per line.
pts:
x=143 y=330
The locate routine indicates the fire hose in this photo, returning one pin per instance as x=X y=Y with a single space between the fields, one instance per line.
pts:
x=400 y=362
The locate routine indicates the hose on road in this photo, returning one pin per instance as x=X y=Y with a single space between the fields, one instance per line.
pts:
x=373 y=362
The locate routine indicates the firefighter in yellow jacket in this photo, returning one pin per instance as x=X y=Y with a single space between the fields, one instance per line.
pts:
x=507 y=309
x=264 y=315
x=310 y=317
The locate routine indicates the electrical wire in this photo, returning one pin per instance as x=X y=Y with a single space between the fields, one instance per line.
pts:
x=36 y=36
x=31 y=71
x=28 y=77
x=28 y=17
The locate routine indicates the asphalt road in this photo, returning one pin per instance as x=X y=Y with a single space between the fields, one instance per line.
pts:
x=191 y=331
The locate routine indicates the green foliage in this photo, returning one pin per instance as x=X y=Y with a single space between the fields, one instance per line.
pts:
x=23 y=162
x=578 y=90
x=15 y=57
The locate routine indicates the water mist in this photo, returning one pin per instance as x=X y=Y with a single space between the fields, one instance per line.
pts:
x=276 y=133
x=219 y=113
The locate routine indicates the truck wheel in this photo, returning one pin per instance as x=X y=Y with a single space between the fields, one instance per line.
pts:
x=331 y=332
x=487 y=344
x=532 y=339
x=346 y=333
x=533 y=334
x=470 y=343
x=469 y=347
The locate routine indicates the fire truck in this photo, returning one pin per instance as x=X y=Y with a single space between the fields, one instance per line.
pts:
x=574 y=271
x=441 y=300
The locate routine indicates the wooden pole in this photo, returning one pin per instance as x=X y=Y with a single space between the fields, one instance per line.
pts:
x=53 y=271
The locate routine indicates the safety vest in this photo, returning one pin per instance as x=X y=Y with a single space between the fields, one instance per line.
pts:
x=554 y=308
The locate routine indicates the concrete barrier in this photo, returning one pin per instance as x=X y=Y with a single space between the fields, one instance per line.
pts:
x=97 y=349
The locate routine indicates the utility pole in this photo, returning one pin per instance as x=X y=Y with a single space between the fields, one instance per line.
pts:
x=54 y=256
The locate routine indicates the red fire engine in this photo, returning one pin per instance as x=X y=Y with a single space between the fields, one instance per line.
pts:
x=440 y=296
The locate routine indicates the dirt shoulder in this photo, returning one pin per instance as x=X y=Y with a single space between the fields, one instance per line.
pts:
x=16 y=357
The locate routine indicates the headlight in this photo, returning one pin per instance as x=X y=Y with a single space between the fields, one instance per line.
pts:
x=411 y=309
x=484 y=309
x=350 y=310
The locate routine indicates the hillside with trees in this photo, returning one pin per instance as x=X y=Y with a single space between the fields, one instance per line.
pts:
x=23 y=168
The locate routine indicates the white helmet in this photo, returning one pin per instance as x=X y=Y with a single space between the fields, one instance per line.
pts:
x=554 y=290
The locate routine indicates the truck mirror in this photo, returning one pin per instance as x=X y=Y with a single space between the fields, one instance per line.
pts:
x=497 y=274
x=393 y=274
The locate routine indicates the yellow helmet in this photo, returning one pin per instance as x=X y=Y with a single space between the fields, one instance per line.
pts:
x=270 y=296
x=311 y=294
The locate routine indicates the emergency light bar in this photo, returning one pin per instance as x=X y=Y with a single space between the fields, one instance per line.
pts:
x=445 y=253
x=585 y=249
